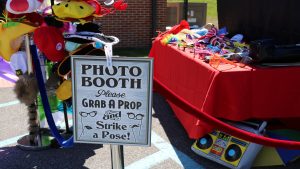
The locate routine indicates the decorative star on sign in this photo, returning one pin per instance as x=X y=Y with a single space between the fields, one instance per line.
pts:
x=9 y=32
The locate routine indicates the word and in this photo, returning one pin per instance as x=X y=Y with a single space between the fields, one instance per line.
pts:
x=112 y=115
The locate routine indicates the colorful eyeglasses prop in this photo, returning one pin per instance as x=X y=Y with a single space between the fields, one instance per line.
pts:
x=201 y=53
x=184 y=45
x=174 y=30
x=214 y=36
x=188 y=42
x=169 y=39
x=215 y=61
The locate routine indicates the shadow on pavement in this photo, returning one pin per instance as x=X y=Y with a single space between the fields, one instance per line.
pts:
x=176 y=133
x=180 y=140
x=15 y=158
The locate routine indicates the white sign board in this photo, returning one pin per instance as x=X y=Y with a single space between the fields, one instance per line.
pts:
x=112 y=105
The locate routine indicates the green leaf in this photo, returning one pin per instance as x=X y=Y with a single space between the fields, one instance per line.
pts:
x=10 y=24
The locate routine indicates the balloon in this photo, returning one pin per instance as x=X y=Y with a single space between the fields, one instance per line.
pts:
x=5 y=67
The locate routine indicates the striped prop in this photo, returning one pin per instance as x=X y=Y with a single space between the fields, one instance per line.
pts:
x=216 y=36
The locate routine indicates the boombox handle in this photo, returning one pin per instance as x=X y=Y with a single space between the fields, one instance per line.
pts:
x=255 y=124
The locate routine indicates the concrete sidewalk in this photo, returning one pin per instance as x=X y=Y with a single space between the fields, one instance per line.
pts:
x=7 y=80
x=170 y=144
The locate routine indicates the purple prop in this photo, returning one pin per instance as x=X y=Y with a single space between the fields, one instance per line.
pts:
x=5 y=67
x=7 y=78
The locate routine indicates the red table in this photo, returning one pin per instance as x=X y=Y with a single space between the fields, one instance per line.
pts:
x=231 y=93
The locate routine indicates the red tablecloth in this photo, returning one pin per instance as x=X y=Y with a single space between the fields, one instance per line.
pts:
x=231 y=93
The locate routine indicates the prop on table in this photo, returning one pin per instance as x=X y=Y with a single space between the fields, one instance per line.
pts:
x=215 y=60
x=207 y=41
x=174 y=30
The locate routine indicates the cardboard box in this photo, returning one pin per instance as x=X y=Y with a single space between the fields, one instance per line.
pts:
x=258 y=19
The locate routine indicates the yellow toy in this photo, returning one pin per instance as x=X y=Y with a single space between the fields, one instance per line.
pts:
x=73 y=9
x=10 y=33
x=64 y=91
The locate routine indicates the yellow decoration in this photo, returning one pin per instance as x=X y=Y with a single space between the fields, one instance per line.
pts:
x=64 y=91
x=268 y=156
x=182 y=34
x=10 y=38
x=73 y=9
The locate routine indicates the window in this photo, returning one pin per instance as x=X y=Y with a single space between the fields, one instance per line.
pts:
x=199 y=12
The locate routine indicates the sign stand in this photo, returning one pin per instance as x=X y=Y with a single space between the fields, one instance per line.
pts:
x=68 y=131
x=112 y=104
x=117 y=156
x=42 y=139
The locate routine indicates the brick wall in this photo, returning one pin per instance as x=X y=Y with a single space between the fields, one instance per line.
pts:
x=161 y=15
x=134 y=26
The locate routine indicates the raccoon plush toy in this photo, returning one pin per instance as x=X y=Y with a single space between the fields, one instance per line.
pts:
x=26 y=89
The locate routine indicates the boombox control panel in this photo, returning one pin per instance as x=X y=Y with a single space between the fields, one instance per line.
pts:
x=227 y=150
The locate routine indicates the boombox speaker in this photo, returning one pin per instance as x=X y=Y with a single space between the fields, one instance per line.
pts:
x=230 y=151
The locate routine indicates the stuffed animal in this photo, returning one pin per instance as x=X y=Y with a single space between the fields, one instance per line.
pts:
x=84 y=10
x=23 y=6
x=11 y=37
x=73 y=9
x=26 y=89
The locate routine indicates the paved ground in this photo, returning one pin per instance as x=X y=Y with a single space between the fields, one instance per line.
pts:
x=170 y=144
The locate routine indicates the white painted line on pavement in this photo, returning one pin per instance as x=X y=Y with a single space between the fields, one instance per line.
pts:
x=179 y=157
x=9 y=103
x=10 y=141
x=166 y=151
x=14 y=140
x=149 y=161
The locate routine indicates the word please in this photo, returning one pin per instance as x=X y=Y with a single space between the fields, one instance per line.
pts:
x=108 y=93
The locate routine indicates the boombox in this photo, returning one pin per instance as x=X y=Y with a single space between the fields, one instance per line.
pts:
x=228 y=150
